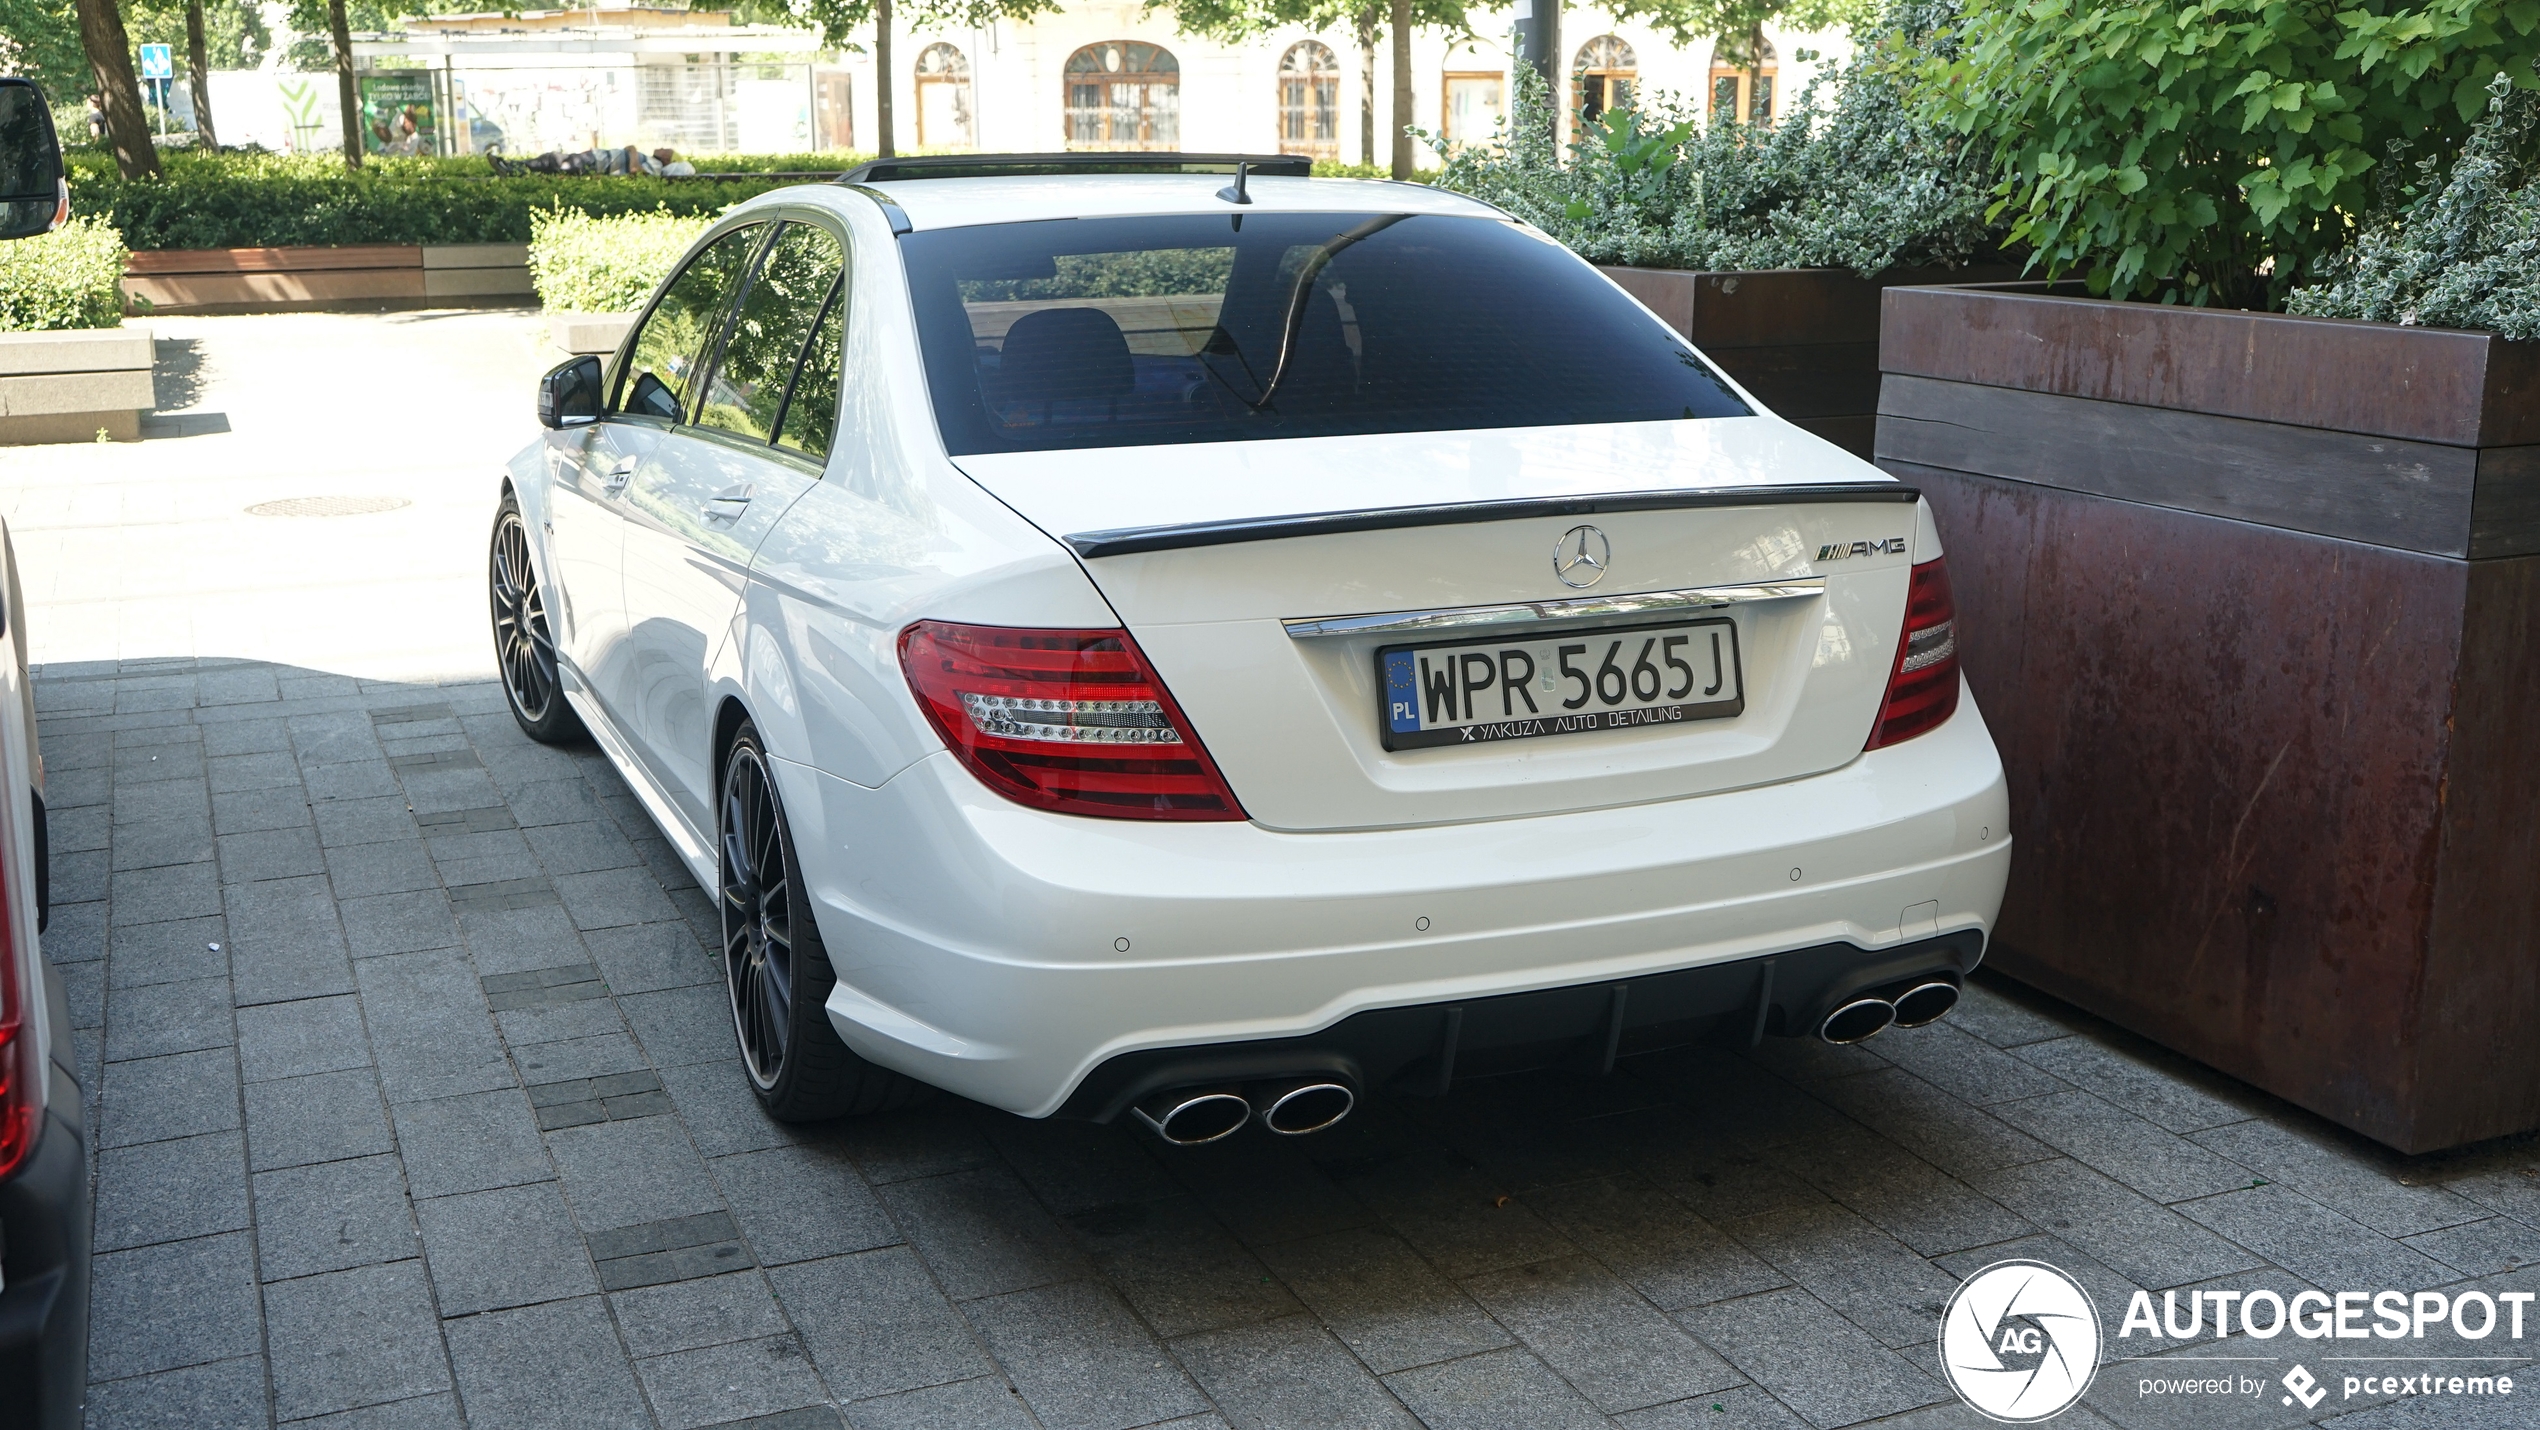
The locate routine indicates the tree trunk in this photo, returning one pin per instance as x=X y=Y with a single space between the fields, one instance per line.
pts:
x=101 y=33
x=882 y=80
x=198 y=59
x=345 y=95
x=1754 y=70
x=1368 y=16
x=1401 y=89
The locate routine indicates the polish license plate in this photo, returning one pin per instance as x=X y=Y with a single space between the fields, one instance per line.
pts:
x=1472 y=691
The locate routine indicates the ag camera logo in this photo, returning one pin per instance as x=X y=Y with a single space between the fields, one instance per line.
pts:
x=2019 y=1341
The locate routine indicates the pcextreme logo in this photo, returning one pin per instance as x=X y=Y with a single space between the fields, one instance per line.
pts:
x=2019 y=1341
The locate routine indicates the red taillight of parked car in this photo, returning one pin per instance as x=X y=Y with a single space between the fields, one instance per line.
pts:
x=21 y=1068
x=1073 y=721
x=1922 y=689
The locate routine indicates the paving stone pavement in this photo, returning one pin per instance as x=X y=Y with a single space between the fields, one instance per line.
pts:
x=417 y=1106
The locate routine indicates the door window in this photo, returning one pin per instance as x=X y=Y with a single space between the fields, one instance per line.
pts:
x=811 y=412
x=746 y=395
x=662 y=373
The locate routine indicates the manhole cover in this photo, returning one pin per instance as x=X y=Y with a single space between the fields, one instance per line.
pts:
x=327 y=506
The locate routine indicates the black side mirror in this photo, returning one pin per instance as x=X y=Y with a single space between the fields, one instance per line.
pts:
x=33 y=197
x=569 y=395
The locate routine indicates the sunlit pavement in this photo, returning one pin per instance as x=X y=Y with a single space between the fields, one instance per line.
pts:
x=417 y=1103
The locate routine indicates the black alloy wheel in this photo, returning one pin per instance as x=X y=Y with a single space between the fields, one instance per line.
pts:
x=774 y=963
x=524 y=643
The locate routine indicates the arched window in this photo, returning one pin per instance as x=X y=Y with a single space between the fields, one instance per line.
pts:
x=1124 y=94
x=943 y=99
x=1603 y=75
x=1740 y=91
x=1474 y=95
x=1310 y=100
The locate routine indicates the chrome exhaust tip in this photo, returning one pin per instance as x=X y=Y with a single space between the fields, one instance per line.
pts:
x=1295 y=1108
x=1925 y=1003
x=1861 y=1018
x=1189 y=1117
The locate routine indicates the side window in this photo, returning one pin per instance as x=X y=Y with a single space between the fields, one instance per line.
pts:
x=663 y=368
x=811 y=412
x=747 y=391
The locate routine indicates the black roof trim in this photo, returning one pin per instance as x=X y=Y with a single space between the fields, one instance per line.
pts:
x=900 y=226
x=1128 y=541
x=986 y=166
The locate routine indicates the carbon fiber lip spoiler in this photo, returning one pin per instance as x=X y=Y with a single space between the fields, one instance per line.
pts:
x=1130 y=540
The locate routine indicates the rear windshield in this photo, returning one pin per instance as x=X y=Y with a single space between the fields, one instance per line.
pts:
x=1126 y=332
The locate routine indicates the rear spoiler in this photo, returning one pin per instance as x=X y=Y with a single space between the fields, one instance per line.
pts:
x=1130 y=540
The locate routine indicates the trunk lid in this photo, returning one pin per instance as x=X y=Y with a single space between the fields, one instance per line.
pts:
x=1243 y=569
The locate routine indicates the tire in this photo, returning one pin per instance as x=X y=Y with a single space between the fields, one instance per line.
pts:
x=774 y=965
x=524 y=641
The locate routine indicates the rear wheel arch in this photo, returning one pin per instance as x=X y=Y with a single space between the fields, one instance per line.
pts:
x=729 y=717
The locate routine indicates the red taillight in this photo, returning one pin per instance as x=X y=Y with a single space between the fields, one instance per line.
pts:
x=21 y=1069
x=1922 y=689
x=1073 y=721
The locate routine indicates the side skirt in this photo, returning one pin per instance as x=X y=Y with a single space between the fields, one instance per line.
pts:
x=695 y=850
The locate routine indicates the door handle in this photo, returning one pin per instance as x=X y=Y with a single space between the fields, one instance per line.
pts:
x=621 y=473
x=725 y=505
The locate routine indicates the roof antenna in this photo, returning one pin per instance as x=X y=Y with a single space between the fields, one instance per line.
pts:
x=1234 y=193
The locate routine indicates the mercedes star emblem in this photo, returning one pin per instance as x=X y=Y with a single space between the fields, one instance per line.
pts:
x=1580 y=557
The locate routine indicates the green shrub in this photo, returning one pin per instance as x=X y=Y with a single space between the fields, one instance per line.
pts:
x=2461 y=251
x=2215 y=151
x=1853 y=181
x=69 y=278
x=587 y=264
x=275 y=200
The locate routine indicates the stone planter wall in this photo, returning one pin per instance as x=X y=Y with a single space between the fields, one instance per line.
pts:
x=2252 y=605
x=66 y=387
x=1805 y=341
x=371 y=277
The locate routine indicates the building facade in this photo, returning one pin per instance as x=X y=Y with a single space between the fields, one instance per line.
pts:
x=1111 y=74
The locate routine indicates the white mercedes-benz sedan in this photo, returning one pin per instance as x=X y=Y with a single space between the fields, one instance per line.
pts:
x=1125 y=635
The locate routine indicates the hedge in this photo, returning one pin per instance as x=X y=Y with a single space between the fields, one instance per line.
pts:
x=69 y=278
x=274 y=201
x=587 y=264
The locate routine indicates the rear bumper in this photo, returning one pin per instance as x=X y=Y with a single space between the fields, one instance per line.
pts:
x=1005 y=954
x=44 y=1253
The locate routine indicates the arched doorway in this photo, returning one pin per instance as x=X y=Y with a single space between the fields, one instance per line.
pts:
x=1738 y=91
x=1310 y=100
x=1603 y=76
x=943 y=99
x=1124 y=94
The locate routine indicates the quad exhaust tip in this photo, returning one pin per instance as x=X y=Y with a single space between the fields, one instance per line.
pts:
x=1290 y=1107
x=1925 y=1002
x=1861 y=1018
x=1300 y=1106
x=1189 y=1117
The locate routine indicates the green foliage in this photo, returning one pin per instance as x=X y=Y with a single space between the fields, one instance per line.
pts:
x=275 y=200
x=2461 y=251
x=1739 y=21
x=40 y=40
x=69 y=278
x=2212 y=152
x=1857 y=182
x=838 y=20
x=234 y=33
x=586 y=264
x=1335 y=169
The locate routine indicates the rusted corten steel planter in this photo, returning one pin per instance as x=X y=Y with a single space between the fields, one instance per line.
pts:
x=2252 y=604
x=1804 y=340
